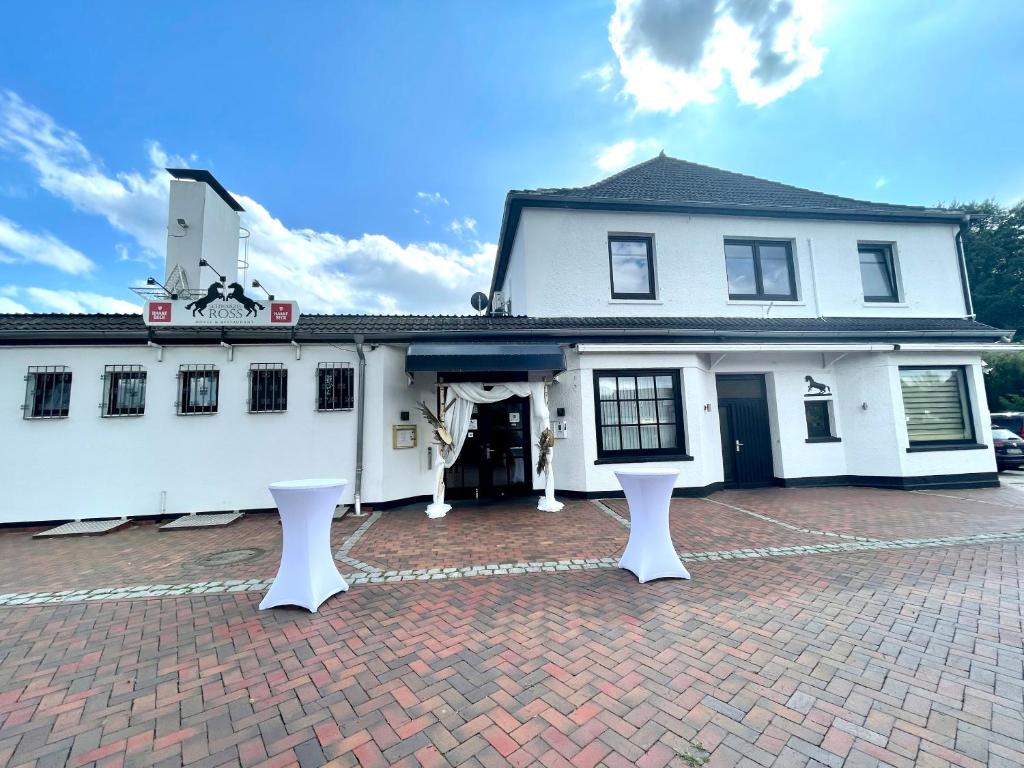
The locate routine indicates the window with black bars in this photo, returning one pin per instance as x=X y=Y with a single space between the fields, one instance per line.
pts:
x=47 y=392
x=124 y=390
x=335 y=387
x=268 y=388
x=198 y=389
x=639 y=413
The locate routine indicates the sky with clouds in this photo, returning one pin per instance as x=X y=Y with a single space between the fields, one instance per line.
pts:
x=372 y=145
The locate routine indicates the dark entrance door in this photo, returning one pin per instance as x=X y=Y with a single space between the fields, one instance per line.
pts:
x=746 y=436
x=495 y=459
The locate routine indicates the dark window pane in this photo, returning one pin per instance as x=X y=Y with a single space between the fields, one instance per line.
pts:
x=739 y=266
x=876 y=274
x=630 y=264
x=818 y=423
x=775 y=273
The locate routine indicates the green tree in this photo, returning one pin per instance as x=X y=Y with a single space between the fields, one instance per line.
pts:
x=1004 y=382
x=994 y=252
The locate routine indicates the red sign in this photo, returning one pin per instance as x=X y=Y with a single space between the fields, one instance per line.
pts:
x=280 y=312
x=159 y=311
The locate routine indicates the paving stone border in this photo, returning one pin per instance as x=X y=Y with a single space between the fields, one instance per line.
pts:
x=229 y=586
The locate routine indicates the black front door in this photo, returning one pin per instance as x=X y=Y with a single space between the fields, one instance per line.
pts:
x=495 y=459
x=746 y=435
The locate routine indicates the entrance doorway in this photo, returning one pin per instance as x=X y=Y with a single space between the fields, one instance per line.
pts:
x=746 y=435
x=495 y=459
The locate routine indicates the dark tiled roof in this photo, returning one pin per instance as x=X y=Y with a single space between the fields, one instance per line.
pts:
x=324 y=327
x=664 y=179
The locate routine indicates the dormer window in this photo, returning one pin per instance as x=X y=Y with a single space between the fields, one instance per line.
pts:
x=760 y=270
x=631 y=259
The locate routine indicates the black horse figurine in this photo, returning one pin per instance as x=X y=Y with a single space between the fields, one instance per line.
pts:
x=817 y=387
x=212 y=294
x=238 y=294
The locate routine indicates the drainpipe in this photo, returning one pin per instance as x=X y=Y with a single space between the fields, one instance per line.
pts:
x=962 y=263
x=360 y=419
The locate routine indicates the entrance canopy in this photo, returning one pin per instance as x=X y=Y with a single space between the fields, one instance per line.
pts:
x=479 y=356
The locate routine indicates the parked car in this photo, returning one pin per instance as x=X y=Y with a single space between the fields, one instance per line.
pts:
x=1009 y=448
x=1011 y=420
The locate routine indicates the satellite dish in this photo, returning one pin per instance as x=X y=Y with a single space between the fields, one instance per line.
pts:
x=479 y=301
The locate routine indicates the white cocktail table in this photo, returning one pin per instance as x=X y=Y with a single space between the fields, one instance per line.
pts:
x=307 y=575
x=650 y=553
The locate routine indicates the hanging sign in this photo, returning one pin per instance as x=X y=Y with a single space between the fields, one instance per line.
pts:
x=222 y=306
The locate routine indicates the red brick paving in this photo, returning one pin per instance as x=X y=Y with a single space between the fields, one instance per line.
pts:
x=699 y=526
x=904 y=658
x=140 y=554
x=885 y=514
x=516 y=532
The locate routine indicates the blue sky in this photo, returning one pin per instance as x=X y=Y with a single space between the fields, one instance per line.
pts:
x=372 y=145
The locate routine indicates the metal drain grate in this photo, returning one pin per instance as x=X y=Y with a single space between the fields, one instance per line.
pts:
x=202 y=521
x=83 y=528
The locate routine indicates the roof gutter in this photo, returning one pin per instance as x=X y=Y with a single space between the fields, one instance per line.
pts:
x=965 y=284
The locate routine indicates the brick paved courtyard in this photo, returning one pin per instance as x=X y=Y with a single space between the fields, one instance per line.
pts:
x=822 y=627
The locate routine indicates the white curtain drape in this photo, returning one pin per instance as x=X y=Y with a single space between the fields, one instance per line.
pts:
x=461 y=397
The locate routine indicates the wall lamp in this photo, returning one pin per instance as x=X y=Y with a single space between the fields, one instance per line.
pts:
x=153 y=281
x=256 y=284
x=205 y=263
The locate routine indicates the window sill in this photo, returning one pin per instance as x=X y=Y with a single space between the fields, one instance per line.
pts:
x=645 y=459
x=884 y=304
x=947 y=447
x=823 y=440
x=766 y=302
x=635 y=301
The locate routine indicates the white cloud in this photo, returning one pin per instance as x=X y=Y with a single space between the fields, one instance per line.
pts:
x=42 y=249
x=464 y=226
x=433 y=197
x=615 y=157
x=880 y=182
x=77 y=301
x=9 y=306
x=677 y=52
x=324 y=271
x=602 y=75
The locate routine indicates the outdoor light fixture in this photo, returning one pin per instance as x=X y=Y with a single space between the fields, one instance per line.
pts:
x=153 y=281
x=182 y=223
x=256 y=284
x=205 y=263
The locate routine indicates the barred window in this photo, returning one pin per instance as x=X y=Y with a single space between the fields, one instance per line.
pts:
x=47 y=392
x=198 y=389
x=335 y=387
x=268 y=388
x=639 y=414
x=124 y=390
x=936 y=405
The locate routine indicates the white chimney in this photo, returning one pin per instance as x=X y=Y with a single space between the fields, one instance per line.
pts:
x=202 y=224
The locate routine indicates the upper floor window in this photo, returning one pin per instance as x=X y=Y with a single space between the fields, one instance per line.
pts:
x=760 y=269
x=334 y=387
x=639 y=414
x=631 y=259
x=124 y=390
x=936 y=405
x=198 y=387
x=268 y=388
x=878 y=272
x=47 y=392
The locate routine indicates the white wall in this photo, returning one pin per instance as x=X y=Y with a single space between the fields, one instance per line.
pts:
x=873 y=440
x=559 y=266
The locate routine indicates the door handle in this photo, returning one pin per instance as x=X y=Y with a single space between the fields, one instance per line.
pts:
x=738 y=446
x=487 y=452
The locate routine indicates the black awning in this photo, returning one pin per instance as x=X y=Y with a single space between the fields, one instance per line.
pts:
x=472 y=356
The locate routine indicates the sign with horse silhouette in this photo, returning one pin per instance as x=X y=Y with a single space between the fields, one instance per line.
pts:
x=816 y=388
x=223 y=305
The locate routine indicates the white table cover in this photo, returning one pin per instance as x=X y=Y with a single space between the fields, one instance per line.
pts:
x=650 y=553
x=307 y=575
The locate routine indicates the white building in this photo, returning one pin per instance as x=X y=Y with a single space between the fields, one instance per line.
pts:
x=742 y=331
